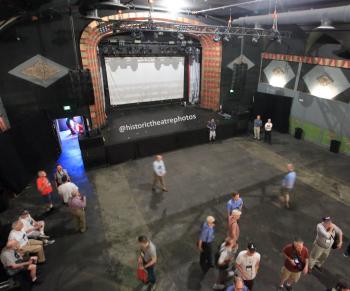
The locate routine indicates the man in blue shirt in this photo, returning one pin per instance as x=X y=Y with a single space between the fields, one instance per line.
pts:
x=238 y=285
x=234 y=203
x=288 y=184
x=205 y=241
x=257 y=126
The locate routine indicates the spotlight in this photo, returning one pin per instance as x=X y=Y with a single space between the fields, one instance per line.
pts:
x=226 y=38
x=217 y=38
x=137 y=34
x=255 y=39
x=277 y=36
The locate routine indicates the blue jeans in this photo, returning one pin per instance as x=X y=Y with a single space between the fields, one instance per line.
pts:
x=151 y=275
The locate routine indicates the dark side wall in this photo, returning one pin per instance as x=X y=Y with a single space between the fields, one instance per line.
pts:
x=32 y=143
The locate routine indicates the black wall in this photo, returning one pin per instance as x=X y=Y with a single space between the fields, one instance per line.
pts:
x=31 y=143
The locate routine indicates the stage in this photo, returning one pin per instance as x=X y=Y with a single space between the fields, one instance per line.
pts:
x=140 y=132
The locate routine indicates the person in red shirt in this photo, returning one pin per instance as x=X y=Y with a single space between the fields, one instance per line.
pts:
x=296 y=262
x=45 y=189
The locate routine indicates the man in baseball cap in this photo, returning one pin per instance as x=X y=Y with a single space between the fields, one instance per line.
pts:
x=328 y=235
x=247 y=265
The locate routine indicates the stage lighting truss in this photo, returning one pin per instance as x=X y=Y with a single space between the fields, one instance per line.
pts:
x=219 y=32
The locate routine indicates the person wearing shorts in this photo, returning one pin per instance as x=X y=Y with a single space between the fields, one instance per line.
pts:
x=45 y=189
x=296 y=262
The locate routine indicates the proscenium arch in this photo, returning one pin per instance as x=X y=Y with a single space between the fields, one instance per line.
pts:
x=210 y=67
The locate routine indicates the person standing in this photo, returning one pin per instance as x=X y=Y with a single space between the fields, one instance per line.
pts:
x=328 y=235
x=268 y=131
x=296 y=262
x=148 y=257
x=45 y=189
x=247 y=265
x=205 y=242
x=212 y=129
x=66 y=189
x=159 y=172
x=257 y=127
x=77 y=204
x=225 y=262
x=60 y=172
x=233 y=227
x=288 y=184
x=234 y=203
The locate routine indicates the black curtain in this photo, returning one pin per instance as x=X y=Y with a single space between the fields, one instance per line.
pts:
x=275 y=107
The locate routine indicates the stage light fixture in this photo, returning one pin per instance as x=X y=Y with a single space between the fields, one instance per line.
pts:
x=217 y=38
x=232 y=91
x=180 y=36
x=278 y=78
x=226 y=38
x=66 y=108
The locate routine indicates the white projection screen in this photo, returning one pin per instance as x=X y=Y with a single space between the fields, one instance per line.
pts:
x=144 y=79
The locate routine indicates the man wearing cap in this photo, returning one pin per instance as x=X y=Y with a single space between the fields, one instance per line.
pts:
x=247 y=265
x=327 y=233
x=235 y=202
x=159 y=172
x=296 y=262
x=205 y=241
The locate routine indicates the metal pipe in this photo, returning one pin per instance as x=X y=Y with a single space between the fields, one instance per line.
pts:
x=226 y=6
x=333 y=14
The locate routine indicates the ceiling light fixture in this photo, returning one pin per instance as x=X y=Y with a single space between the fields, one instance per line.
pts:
x=325 y=25
x=174 y=6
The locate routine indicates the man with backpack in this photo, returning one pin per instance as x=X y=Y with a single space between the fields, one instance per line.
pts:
x=224 y=259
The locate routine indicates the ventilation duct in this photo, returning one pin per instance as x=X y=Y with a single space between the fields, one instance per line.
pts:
x=303 y=17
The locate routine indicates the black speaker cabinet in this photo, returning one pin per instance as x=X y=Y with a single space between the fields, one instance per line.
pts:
x=298 y=133
x=335 y=146
x=93 y=151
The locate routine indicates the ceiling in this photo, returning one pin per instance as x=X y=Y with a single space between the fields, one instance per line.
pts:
x=10 y=8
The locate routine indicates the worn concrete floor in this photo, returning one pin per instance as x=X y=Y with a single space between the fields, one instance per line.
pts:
x=122 y=206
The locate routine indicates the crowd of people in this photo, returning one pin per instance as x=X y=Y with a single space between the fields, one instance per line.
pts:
x=27 y=240
x=237 y=271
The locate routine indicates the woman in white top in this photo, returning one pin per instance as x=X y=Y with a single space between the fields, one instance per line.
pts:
x=268 y=130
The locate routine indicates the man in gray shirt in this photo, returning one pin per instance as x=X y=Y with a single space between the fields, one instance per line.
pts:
x=149 y=259
x=13 y=261
x=325 y=237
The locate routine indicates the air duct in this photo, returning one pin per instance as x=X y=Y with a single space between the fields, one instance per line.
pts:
x=303 y=17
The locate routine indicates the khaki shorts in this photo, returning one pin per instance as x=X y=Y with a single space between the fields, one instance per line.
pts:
x=291 y=276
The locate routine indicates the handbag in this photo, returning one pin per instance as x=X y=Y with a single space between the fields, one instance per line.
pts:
x=336 y=241
x=142 y=275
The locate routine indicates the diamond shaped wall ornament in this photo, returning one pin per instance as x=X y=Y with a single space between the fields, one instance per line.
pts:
x=40 y=70
x=239 y=60
x=279 y=73
x=326 y=82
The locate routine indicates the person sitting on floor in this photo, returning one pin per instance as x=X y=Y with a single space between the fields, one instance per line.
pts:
x=25 y=244
x=34 y=229
x=66 y=188
x=14 y=262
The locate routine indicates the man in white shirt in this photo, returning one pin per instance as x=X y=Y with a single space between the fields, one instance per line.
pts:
x=247 y=265
x=66 y=188
x=268 y=130
x=25 y=244
x=159 y=172
x=33 y=229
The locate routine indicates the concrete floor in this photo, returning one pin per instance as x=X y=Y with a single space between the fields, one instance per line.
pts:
x=122 y=206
